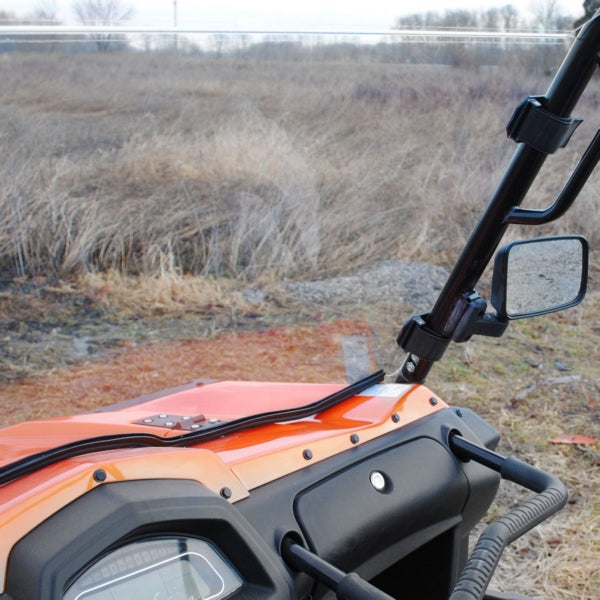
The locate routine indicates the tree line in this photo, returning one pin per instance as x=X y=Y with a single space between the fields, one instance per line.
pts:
x=545 y=16
x=86 y=12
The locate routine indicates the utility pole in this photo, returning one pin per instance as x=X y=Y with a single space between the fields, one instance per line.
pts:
x=175 y=24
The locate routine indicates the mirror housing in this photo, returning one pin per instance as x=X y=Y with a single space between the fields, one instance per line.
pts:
x=539 y=276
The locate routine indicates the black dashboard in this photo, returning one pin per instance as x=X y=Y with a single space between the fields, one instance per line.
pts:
x=150 y=539
x=383 y=509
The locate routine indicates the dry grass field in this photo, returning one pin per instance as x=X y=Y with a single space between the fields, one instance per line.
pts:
x=156 y=185
x=250 y=168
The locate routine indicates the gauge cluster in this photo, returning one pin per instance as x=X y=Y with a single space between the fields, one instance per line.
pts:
x=146 y=540
x=166 y=568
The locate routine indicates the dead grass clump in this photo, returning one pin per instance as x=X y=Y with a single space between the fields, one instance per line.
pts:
x=166 y=292
x=241 y=200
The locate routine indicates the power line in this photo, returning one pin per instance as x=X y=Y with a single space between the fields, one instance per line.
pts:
x=464 y=33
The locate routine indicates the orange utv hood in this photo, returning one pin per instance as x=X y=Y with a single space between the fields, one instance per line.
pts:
x=230 y=464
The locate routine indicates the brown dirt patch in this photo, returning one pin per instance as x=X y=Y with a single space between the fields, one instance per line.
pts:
x=311 y=353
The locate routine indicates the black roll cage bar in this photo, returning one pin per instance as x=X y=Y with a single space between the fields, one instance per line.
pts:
x=540 y=125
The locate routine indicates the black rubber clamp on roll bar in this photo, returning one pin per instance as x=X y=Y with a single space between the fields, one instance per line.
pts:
x=534 y=125
x=551 y=496
x=418 y=339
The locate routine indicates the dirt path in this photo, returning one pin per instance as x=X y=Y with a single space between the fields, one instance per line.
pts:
x=44 y=327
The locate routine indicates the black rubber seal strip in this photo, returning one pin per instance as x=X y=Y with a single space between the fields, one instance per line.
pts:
x=37 y=461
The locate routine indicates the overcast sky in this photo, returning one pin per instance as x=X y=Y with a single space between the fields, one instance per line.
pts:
x=334 y=14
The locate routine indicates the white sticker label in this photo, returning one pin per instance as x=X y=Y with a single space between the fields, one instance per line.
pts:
x=387 y=390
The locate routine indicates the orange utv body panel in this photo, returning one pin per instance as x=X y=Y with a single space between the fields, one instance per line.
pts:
x=231 y=465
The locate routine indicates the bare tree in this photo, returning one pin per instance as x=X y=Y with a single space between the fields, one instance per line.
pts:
x=103 y=12
x=546 y=14
x=45 y=13
x=510 y=17
x=490 y=19
x=418 y=20
x=6 y=18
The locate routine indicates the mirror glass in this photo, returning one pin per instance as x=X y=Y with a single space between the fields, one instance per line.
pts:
x=544 y=275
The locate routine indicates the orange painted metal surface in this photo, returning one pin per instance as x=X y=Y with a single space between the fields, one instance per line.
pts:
x=240 y=461
x=279 y=449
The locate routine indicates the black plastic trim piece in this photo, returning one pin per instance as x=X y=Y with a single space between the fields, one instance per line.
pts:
x=406 y=507
x=395 y=524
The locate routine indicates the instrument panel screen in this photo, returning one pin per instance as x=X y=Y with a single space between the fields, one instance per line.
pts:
x=166 y=568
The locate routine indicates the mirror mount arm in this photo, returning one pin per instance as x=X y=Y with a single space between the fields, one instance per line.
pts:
x=531 y=216
x=475 y=321
x=490 y=325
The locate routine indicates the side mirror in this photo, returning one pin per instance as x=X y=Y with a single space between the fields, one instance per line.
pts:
x=539 y=276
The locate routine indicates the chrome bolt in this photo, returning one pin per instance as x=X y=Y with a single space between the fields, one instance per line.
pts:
x=377 y=481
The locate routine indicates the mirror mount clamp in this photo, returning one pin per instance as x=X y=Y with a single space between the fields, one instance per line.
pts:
x=418 y=339
x=475 y=321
